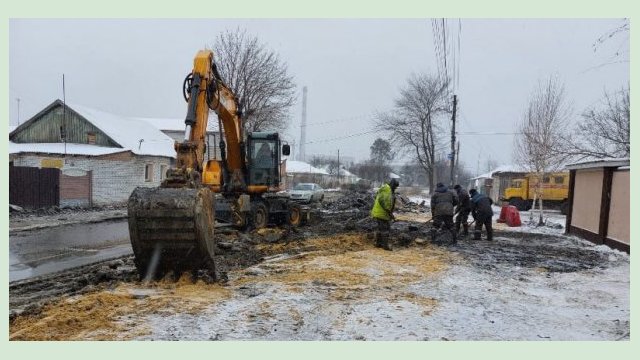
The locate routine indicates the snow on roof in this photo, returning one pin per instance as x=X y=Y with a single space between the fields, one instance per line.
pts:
x=303 y=167
x=594 y=163
x=135 y=135
x=394 y=176
x=59 y=148
x=345 y=172
x=164 y=124
x=482 y=176
x=509 y=168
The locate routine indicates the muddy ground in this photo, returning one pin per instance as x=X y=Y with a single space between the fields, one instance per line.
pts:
x=326 y=281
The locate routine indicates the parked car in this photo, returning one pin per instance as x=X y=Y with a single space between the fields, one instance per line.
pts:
x=307 y=192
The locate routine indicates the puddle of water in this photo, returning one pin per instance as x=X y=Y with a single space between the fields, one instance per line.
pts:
x=19 y=271
x=44 y=251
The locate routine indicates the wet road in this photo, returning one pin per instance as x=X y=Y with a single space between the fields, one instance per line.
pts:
x=40 y=252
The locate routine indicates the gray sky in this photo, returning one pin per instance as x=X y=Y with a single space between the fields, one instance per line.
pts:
x=352 y=69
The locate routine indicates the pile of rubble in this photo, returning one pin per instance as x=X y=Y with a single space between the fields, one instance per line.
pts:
x=351 y=200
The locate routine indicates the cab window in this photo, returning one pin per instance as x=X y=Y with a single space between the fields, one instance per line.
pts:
x=559 y=179
x=262 y=154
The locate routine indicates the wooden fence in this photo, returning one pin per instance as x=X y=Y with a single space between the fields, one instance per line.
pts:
x=33 y=188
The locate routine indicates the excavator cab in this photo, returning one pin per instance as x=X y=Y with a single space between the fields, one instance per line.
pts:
x=264 y=159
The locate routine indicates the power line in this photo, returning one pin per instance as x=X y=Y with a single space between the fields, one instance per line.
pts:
x=444 y=45
x=458 y=70
x=363 y=116
x=488 y=133
x=342 y=137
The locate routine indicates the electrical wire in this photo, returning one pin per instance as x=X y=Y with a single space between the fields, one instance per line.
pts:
x=341 y=137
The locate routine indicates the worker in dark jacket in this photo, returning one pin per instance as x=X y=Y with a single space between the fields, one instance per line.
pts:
x=482 y=213
x=382 y=212
x=443 y=202
x=462 y=210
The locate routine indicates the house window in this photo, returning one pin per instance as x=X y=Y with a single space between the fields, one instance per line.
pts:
x=559 y=179
x=163 y=172
x=148 y=172
x=91 y=138
x=546 y=180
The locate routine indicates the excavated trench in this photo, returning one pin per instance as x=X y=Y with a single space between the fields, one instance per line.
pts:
x=338 y=227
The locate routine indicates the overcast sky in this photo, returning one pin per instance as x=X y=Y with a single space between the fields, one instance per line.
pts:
x=352 y=68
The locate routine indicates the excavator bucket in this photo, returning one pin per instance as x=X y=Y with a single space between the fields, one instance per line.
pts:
x=172 y=230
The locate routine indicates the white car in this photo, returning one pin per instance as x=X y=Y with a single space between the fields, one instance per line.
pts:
x=307 y=192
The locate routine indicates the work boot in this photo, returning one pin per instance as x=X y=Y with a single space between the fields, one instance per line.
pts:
x=476 y=235
x=376 y=236
x=384 y=243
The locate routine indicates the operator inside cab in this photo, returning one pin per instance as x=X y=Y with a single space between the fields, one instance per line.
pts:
x=263 y=163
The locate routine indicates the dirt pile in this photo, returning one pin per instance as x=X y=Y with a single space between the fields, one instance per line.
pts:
x=108 y=313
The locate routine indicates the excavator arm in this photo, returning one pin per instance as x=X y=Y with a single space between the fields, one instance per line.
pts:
x=172 y=227
x=204 y=90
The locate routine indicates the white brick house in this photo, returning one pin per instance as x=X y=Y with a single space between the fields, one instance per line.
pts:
x=114 y=153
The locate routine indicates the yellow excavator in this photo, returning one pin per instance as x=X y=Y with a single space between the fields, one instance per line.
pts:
x=172 y=227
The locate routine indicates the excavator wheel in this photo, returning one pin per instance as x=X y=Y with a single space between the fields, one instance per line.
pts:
x=172 y=230
x=295 y=215
x=260 y=215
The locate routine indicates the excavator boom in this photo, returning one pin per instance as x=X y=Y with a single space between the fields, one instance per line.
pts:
x=172 y=227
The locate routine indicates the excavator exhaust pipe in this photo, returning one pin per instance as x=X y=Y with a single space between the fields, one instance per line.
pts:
x=172 y=230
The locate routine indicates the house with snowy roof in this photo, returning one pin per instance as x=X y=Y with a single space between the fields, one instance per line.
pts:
x=174 y=128
x=303 y=172
x=81 y=156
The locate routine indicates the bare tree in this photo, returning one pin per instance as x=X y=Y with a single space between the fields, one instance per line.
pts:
x=412 y=124
x=605 y=131
x=328 y=163
x=540 y=139
x=259 y=79
x=371 y=171
x=381 y=151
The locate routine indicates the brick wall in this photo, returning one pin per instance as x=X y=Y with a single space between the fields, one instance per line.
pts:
x=113 y=179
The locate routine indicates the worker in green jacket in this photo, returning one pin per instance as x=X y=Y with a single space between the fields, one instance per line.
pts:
x=382 y=211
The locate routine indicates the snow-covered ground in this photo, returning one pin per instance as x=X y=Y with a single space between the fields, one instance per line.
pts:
x=532 y=288
x=554 y=222
x=530 y=283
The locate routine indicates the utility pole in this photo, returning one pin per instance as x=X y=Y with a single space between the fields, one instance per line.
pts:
x=18 y=100
x=64 y=118
x=303 y=126
x=453 y=138
x=338 y=167
x=457 y=159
